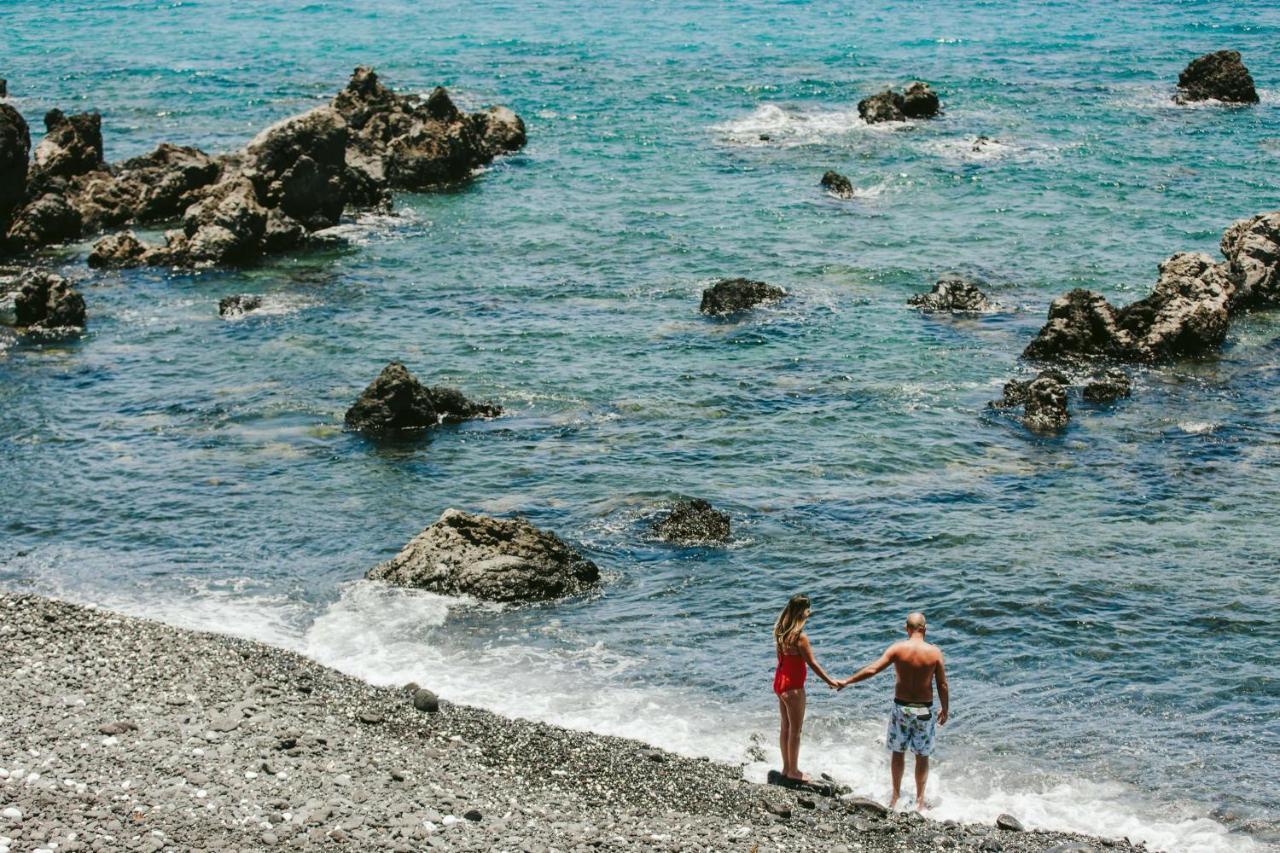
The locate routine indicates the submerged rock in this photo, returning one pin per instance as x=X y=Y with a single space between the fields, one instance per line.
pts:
x=47 y=302
x=952 y=294
x=1218 y=76
x=837 y=184
x=1107 y=388
x=506 y=560
x=238 y=305
x=116 y=251
x=693 y=522
x=734 y=295
x=397 y=402
x=1045 y=409
x=918 y=101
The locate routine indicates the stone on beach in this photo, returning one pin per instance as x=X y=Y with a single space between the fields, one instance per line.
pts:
x=1219 y=76
x=693 y=522
x=396 y=402
x=426 y=701
x=735 y=295
x=956 y=295
x=1009 y=822
x=47 y=302
x=507 y=560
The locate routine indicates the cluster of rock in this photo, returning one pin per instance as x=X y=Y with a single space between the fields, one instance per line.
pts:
x=47 y=304
x=396 y=402
x=693 y=522
x=1187 y=312
x=735 y=295
x=1219 y=76
x=955 y=295
x=917 y=101
x=1043 y=398
x=296 y=177
x=239 y=304
x=507 y=560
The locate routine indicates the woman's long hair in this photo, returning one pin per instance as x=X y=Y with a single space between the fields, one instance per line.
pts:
x=786 y=631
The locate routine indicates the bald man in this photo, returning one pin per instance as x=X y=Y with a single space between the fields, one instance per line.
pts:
x=918 y=665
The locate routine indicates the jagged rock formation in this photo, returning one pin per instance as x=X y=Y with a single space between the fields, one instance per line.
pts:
x=296 y=177
x=693 y=522
x=1187 y=312
x=489 y=558
x=837 y=184
x=953 y=294
x=396 y=402
x=1110 y=386
x=917 y=101
x=47 y=303
x=1219 y=76
x=734 y=295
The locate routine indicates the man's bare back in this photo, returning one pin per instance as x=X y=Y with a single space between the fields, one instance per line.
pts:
x=915 y=663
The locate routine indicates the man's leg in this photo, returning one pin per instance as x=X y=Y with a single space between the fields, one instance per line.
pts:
x=896 y=764
x=922 y=776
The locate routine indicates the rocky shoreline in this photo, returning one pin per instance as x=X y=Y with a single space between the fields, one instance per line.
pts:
x=118 y=733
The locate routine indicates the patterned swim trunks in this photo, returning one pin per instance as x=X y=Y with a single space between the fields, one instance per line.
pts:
x=911 y=728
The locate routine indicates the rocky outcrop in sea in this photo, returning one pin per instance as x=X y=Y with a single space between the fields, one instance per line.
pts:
x=1187 y=312
x=296 y=177
x=735 y=295
x=1219 y=76
x=837 y=184
x=494 y=559
x=955 y=295
x=917 y=101
x=1043 y=400
x=693 y=522
x=46 y=303
x=396 y=402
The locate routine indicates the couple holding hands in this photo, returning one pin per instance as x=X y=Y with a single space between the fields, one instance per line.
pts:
x=918 y=665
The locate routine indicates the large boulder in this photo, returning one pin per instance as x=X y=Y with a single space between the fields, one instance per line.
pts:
x=1082 y=325
x=15 y=148
x=1185 y=315
x=1016 y=391
x=1045 y=409
x=693 y=522
x=117 y=251
x=1112 y=385
x=953 y=294
x=299 y=167
x=1219 y=76
x=48 y=219
x=396 y=402
x=734 y=295
x=1252 y=249
x=837 y=184
x=918 y=101
x=500 y=129
x=47 y=302
x=72 y=145
x=489 y=558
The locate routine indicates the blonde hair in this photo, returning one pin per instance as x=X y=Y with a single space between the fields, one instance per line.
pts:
x=786 y=631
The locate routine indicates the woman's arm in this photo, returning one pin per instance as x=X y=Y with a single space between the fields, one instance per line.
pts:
x=806 y=651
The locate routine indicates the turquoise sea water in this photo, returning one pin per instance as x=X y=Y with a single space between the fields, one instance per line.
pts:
x=1107 y=598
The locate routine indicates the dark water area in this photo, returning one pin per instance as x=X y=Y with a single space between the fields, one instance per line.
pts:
x=1106 y=597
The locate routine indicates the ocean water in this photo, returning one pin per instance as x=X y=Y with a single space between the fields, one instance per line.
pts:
x=1106 y=598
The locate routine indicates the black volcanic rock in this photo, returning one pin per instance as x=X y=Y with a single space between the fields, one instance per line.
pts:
x=238 y=305
x=953 y=294
x=1218 y=76
x=47 y=302
x=693 y=522
x=72 y=145
x=116 y=251
x=1045 y=409
x=494 y=559
x=734 y=295
x=837 y=184
x=1110 y=386
x=397 y=402
x=15 y=148
x=1252 y=249
x=918 y=101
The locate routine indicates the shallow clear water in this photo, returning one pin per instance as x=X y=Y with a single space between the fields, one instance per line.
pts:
x=1106 y=599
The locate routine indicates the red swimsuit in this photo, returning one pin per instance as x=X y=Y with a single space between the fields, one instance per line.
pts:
x=790 y=673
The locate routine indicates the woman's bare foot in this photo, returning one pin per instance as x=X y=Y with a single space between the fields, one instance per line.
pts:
x=798 y=776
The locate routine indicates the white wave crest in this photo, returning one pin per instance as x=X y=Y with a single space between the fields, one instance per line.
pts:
x=770 y=124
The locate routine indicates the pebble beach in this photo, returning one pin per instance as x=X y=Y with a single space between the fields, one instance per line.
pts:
x=119 y=733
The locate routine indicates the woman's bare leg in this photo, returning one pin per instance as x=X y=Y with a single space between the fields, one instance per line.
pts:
x=795 y=702
x=784 y=737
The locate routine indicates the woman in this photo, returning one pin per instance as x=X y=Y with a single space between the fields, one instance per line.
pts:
x=794 y=658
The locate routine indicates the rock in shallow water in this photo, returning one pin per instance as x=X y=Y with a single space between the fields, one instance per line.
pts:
x=396 y=402
x=953 y=294
x=47 y=302
x=1218 y=76
x=734 y=295
x=496 y=559
x=117 y=251
x=72 y=145
x=15 y=147
x=1045 y=409
x=1111 y=386
x=693 y=522
x=1252 y=249
x=837 y=184
x=238 y=305
x=918 y=101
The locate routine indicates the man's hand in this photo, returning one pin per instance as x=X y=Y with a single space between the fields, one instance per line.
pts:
x=942 y=717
